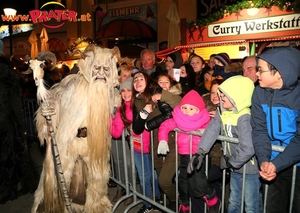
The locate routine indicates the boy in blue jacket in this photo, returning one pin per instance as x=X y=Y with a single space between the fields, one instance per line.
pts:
x=275 y=119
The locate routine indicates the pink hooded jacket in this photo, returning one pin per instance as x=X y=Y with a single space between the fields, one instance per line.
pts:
x=117 y=127
x=186 y=123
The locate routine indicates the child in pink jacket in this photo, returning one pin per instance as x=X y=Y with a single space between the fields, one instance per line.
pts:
x=190 y=115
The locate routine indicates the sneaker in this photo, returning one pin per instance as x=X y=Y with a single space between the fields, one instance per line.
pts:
x=159 y=200
x=183 y=209
x=215 y=208
x=155 y=209
x=145 y=209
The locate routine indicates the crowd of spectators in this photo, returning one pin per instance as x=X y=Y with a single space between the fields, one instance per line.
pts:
x=253 y=99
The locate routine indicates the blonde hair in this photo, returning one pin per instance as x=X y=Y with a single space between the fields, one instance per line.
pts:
x=124 y=68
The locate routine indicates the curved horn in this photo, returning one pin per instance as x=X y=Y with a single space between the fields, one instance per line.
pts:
x=47 y=55
x=27 y=71
x=70 y=53
x=116 y=53
x=90 y=47
x=77 y=51
x=27 y=58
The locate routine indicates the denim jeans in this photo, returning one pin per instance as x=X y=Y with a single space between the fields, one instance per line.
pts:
x=252 y=197
x=145 y=175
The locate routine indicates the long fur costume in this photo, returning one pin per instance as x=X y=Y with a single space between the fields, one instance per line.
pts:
x=80 y=100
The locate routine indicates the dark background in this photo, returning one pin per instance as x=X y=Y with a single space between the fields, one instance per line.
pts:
x=207 y=7
x=22 y=7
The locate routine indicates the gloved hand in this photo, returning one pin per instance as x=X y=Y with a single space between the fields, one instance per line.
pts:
x=224 y=162
x=163 y=147
x=196 y=161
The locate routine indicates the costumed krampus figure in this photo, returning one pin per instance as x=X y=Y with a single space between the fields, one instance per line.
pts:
x=77 y=111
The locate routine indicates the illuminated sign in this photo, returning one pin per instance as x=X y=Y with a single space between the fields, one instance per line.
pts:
x=43 y=16
x=16 y=29
x=262 y=25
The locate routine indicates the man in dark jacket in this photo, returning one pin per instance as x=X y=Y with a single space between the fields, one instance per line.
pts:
x=276 y=121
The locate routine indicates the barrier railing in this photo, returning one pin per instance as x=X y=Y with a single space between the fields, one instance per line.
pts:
x=132 y=190
x=129 y=180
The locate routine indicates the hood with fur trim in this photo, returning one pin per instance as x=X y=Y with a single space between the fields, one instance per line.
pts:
x=176 y=89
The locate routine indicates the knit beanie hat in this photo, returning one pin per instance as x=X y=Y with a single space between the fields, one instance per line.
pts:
x=126 y=84
x=193 y=98
x=223 y=58
x=176 y=58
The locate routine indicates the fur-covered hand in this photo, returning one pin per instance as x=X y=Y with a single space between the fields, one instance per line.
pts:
x=224 y=162
x=196 y=161
x=47 y=109
x=163 y=148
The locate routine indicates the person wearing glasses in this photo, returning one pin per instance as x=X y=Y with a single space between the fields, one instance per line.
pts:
x=275 y=119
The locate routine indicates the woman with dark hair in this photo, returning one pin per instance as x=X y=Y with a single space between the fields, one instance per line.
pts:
x=187 y=78
x=142 y=106
x=153 y=104
x=202 y=82
x=198 y=63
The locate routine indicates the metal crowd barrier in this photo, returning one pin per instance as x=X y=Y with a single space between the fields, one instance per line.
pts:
x=130 y=184
x=133 y=190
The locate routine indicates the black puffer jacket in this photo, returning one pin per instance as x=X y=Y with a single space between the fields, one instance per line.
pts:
x=166 y=113
x=162 y=110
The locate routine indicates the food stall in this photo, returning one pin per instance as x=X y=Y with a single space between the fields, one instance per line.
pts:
x=246 y=32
